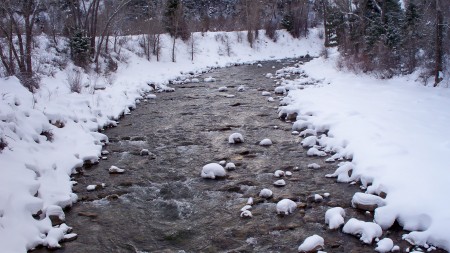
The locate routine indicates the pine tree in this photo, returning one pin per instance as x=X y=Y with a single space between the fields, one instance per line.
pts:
x=79 y=48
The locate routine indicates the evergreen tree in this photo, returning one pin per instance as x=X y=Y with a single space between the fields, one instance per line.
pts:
x=79 y=48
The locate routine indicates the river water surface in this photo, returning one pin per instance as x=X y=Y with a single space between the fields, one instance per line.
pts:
x=161 y=204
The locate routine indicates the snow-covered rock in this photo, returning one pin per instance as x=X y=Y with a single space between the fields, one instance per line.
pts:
x=246 y=207
x=270 y=99
x=366 y=201
x=259 y=65
x=55 y=235
x=144 y=152
x=115 y=170
x=265 y=193
x=318 y=198
x=265 y=142
x=334 y=217
x=384 y=245
x=250 y=201
x=213 y=170
x=280 y=182
x=315 y=152
x=279 y=173
x=246 y=214
x=235 y=138
x=266 y=93
x=223 y=89
x=150 y=96
x=280 y=90
x=343 y=171
x=312 y=244
x=230 y=166
x=313 y=166
x=209 y=79
x=269 y=75
x=288 y=173
x=222 y=162
x=367 y=230
x=286 y=206
x=309 y=141
x=55 y=211
x=308 y=132
x=241 y=88
x=295 y=133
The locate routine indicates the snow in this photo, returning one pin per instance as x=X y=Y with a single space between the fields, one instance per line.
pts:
x=334 y=217
x=367 y=230
x=315 y=152
x=230 y=166
x=213 y=170
x=396 y=134
x=309 y=141
x=266 y=93
x=35 y=172
x=312 y=243
x=223 y=89
x=313 y=166
x=246 y=214
x=265 y=193
x=235 y=138
x=250 y=201
x=265 y=142
x=384 y=245
x=366 y=201
x=286 y=206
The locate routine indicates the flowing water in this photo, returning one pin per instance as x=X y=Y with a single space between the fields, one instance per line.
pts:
x=161 y=204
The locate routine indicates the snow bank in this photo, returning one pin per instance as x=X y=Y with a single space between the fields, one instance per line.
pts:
x=51 y=133
x=397 y=134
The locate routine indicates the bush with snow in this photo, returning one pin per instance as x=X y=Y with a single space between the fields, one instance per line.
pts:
x=286 y=206
x=213 y=171
x=384 y=245
x=265 y=142
x=334 y=217
x=312 y=244
x=367 y=230
x=265 y=193
x=235 y=138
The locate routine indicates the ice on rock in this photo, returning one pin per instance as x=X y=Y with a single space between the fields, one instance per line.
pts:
x=235 y=138
x=280 y=90
x=384 y=245
x=334 y=217
x=246 y=214
x=265 y=142
x=366 y=201
x=270 y=99
x=280 y=182
x=286 y=206
x=209 y=79
x=315 y=152
x=309 y=141
x=115 y=170
x=312 y=244
x=230 y=166
x=265 y=193
x=223 y=89
x=367 y=230
x=278 y=173
x=313 y=166
x=212 y=171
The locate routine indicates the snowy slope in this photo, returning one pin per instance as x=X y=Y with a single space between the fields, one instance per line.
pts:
x=52 y=132
x=398 y=134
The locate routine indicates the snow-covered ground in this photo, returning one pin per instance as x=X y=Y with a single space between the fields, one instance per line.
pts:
x=52 y=132
x=397 y=133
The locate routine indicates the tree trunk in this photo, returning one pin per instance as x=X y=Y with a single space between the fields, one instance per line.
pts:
x=439 y=42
